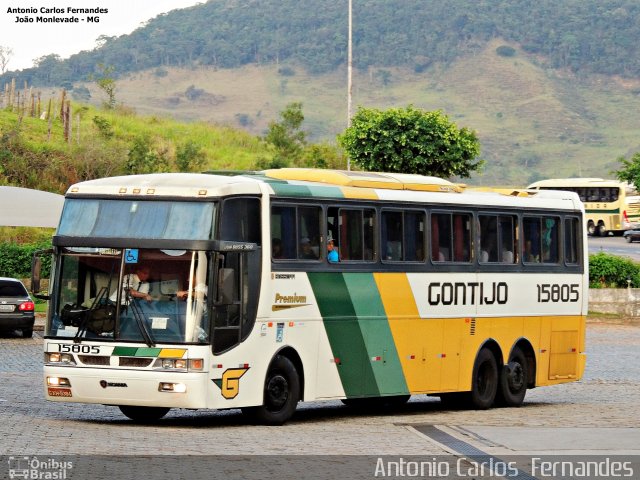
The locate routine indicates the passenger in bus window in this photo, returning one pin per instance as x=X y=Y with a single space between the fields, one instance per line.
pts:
x=332 y=253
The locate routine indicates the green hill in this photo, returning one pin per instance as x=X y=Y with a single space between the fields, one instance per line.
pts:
x=35 y=153
x=532 y=122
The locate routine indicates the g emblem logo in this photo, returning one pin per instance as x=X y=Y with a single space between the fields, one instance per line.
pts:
x=229 y=384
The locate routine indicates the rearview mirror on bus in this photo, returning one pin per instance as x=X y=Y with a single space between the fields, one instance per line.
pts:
x=36 y=272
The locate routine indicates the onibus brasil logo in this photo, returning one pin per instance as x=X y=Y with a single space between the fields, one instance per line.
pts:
x=37 y=468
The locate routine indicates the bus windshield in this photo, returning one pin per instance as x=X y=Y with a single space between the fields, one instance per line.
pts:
x=123 y=218
x=140 y=295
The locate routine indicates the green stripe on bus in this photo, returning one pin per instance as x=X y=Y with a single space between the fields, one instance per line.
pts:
x=615 y=211
x=379 y=342
x=124 y=351
x=344 y=334
x=293 y=190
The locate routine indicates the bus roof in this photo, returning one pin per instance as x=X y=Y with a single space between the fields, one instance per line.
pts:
x=316 y=183
x=577 y=182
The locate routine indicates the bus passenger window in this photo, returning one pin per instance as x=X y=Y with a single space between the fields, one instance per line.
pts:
x=571 y=240
x=355 y=233
x=283 y=232
x=391 y=244
x=295 y=232
x=450 y=237
x=550 y=240
x=541 y=240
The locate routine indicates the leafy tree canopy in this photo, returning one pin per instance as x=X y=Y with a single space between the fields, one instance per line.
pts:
x=410 y=140
x=630 y=171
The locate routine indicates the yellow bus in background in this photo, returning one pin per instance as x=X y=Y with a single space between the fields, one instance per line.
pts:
x=610 y=205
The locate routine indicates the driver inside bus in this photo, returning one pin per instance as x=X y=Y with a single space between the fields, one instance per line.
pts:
x=134 y=285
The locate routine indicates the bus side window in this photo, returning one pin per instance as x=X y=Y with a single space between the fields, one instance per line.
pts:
x=355 y=233
x=531 y=245
x=450 y=237
x=571 y=240
x=550 y=250
x=283 y=232
x=391 y=229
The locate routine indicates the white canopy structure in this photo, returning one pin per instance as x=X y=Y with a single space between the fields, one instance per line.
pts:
x=23 y=207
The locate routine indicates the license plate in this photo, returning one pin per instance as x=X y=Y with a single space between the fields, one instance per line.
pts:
x=59 y=392
x=7 y=308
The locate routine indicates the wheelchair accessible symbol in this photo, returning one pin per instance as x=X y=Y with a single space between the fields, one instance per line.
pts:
x=131 y=255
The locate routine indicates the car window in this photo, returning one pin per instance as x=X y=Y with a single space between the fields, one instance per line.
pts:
x=12 y=289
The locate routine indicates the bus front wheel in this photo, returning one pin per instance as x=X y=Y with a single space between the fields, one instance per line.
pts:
x=144 y=414
x=513 y=380
x=484 y=383
x=281 y=394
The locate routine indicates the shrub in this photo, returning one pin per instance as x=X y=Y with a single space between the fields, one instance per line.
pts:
x=610 y=271
x=15 y=259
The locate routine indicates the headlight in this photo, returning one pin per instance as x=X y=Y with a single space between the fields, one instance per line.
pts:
x=56 y=357
x=193 y=364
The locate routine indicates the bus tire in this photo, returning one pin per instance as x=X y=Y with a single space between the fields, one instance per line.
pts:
x=591 y=228
x=601 y=230
x=281 y=394
x=144 y=414
x=484 y=383
x=513 y=380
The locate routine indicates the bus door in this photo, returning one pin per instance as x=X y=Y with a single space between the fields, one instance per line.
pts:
x=236 y=283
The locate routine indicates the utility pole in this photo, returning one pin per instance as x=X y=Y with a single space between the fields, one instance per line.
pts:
x=349 y=75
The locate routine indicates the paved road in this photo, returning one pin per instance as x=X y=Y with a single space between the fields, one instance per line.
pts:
x=596 y=415
x=615 y=246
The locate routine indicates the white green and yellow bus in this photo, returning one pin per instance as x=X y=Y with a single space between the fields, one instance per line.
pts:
x=207 y=291
x=610 y=205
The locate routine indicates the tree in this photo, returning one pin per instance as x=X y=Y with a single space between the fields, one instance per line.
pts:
x=285 y=136
x=5 y=55
x=107 y=84
x=410 y=140
x=630 y=172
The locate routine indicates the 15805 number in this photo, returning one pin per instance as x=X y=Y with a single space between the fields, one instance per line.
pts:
x=77 y=348
x=553 y=292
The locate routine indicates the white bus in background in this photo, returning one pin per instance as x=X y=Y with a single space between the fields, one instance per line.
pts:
x=610 y=205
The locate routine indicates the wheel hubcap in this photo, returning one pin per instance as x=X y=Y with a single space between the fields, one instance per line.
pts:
x=277 y=392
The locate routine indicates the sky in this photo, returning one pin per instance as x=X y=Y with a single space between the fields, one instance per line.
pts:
x=31 y=40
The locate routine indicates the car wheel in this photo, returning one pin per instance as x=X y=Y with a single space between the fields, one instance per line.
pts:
x=628 y=239
x=27 y=333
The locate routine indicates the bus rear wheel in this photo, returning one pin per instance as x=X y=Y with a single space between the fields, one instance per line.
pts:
x=484 y=383
x=513 y=380
x=281 y=394
x=144 y=414
x=601 y=230
x=591 y=228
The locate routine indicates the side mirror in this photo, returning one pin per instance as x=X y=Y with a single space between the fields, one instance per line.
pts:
x=226 y=286
x=36 y=269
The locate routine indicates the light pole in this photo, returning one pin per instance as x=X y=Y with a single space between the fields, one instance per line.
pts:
x=349 y=76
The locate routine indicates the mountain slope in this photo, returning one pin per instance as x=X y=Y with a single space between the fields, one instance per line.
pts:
x=532 y=123
x=592 y=36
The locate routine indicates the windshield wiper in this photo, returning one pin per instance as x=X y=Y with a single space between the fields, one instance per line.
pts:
x=82 y=328
x=139 y=317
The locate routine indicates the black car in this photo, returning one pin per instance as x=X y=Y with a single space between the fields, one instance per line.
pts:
x=632 y=235
x=16 y=307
